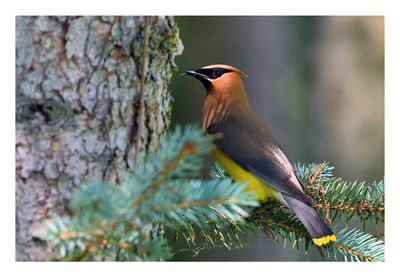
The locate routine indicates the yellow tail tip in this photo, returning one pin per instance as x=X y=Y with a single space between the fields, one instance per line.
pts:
x=324 y=240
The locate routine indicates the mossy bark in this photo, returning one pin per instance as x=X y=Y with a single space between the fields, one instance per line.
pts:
x=80 y=89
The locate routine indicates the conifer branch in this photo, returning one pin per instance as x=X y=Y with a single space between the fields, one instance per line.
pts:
x=126 y=222
x=123 y=222
x=354 y=244
x=335 y=198
x=188 y=148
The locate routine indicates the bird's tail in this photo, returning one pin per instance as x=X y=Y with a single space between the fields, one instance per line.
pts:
x=320 y=233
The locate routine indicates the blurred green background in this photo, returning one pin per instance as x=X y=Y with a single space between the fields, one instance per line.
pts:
x=316 y=82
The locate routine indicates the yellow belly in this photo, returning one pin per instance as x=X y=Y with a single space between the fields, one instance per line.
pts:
x=262 y=191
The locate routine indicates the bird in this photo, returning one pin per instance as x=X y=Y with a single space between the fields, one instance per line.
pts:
x=247 y=150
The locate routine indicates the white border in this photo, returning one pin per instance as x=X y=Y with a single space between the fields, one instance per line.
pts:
x=198 y=7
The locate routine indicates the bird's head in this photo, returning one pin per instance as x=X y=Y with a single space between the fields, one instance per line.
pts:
x=218 y=78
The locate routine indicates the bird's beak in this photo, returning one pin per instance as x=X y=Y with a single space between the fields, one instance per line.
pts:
x=199 y=75
x=195 y=73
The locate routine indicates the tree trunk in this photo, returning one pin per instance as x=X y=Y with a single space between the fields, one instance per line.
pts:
x=92 y=92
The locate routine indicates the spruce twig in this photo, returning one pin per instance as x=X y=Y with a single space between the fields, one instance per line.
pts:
x=333 y=196
x=120 y=222
x=125 y=222
x=188 y=148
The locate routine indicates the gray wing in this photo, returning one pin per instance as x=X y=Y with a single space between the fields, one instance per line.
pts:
x=250 y=145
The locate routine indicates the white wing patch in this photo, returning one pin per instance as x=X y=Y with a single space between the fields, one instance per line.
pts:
x=284 y=162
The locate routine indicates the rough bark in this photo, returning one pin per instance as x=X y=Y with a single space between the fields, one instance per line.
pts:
x=80 y=92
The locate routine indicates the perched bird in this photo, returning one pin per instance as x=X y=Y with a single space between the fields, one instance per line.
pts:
x=247 y=150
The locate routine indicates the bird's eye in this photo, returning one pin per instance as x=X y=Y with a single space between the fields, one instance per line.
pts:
x=217 y=73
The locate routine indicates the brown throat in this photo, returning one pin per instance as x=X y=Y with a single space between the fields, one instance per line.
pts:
x=217 y=108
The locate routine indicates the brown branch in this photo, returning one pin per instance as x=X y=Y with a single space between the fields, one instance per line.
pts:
x=354 y=252
x=320 y=191
x=65 y=235
x=99 y=239
x=285 y=226
x=188 y=148
x=305 y=234
x=201 y=203
x=349 y=208
x=315 y=175
x=377 y=198
x=323 y=205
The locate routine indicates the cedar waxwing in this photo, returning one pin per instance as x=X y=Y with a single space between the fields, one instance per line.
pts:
x=248 y=152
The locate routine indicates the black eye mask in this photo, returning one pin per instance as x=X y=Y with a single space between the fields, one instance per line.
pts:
x=205 y=75
x=213 y=73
